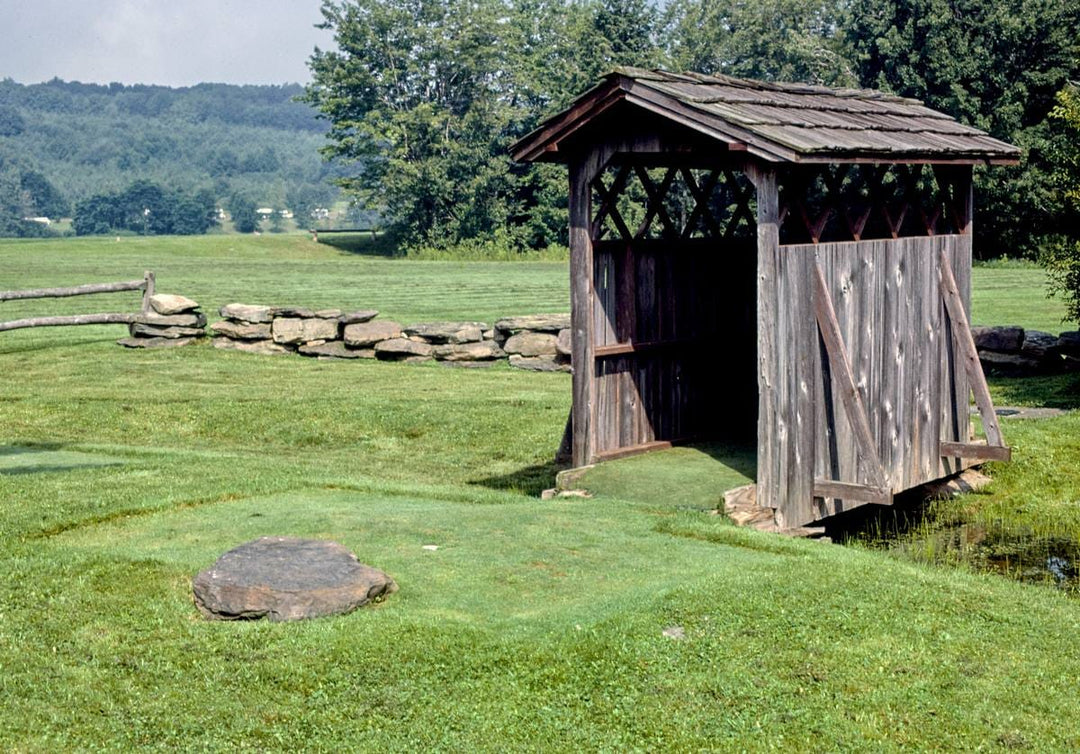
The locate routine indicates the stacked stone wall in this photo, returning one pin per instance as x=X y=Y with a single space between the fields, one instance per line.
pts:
x=538 y=342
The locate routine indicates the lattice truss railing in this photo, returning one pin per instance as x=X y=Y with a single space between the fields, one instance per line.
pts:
x=632 y=201
x=855 y=202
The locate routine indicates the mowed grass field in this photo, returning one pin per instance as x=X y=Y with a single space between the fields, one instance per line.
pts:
x=536 y=626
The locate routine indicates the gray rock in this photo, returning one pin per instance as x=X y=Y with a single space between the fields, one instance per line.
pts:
x=290 y=330
x=242 y=330
x=487 y=350
x=154 y=342
x=403 y=349
x=196 y=319
x=564 y=343
x=538 y=363
x=1069 y=343
x=489 y=334
x=152 y=331
x=1009 y=363
x=1041 y=345
x=169 y=303
x=365 y=334
x=362 y=315
x=447 y=332
x=329 y=314
x=246 y=313
x=335 y=349
x=1007 y=339
x=284 y=578
x=530 y=343
x=551 y=323
x=250 y=346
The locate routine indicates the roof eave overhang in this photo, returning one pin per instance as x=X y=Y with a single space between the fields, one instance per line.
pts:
x=543 y=144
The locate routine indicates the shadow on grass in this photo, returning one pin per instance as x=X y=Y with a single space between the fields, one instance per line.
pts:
x=531 y=480
x=1050 y=391
x=8 y=349
x=361 y=244
x=45 y=458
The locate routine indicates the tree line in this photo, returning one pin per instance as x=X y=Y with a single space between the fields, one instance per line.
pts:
x=423 y=97
x=87 y=140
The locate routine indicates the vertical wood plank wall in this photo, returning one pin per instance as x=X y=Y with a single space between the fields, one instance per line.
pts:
x=888 y=303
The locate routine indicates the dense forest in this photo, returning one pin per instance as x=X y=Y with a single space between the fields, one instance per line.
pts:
x=65 y=143
x=425 y=96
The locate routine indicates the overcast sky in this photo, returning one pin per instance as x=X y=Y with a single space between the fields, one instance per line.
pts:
x=171 y=42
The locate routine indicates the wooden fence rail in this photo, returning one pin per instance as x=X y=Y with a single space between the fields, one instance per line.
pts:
x=146 y=285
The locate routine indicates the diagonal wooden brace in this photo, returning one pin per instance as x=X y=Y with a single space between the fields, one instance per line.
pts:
x=825 y=313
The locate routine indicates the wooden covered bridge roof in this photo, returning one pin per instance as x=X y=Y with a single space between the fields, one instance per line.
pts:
x=776 y=122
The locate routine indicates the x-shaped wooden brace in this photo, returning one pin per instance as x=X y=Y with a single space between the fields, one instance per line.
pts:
x=608 y=198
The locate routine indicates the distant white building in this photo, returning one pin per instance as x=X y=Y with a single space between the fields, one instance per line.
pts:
x=264 y=211
x=39 y=220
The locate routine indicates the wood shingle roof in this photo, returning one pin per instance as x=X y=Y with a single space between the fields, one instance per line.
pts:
x=776 y=122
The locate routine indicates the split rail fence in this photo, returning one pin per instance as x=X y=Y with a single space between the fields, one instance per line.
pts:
x=146 y=285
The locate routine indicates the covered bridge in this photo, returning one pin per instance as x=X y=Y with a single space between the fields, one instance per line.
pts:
x=783 y=262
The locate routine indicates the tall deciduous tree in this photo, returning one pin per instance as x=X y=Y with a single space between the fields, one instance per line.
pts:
x=1062 y=251
x=777 y=40
x=996 y=65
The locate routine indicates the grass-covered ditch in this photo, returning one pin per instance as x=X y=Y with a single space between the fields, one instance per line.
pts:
x=535 y=625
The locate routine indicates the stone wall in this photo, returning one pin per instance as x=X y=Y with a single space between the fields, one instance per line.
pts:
x=1015 y=351
x=172 y=320
x=539 y=342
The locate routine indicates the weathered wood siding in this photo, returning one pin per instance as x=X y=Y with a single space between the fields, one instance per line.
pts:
x=888 y=303
x=674 y=341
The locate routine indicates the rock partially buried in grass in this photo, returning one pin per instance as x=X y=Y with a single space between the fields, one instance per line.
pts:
x=284 y=578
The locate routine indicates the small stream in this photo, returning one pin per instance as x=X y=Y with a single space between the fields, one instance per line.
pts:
x=932 y=533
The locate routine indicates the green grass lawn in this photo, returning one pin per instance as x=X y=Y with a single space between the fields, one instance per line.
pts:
x=534 y=626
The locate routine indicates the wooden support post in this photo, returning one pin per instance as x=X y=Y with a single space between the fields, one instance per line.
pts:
x=768 y=247
x=954 y=305
x=148 y=291
x=840 y=366
x=582 y=172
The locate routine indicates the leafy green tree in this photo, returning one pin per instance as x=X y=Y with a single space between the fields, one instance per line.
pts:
x=244 y=217
x=996 y=65
x=43 y=195
x=1061 y=254
x=777 y=40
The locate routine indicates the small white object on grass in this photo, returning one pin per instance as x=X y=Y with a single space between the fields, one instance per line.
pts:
x=674 y=632
x=433 y=548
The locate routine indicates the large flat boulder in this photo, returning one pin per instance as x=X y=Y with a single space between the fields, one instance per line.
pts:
x=250 y=346
x=403 y=349
x=284 y=578
x=190 y=319
x=1007 y=339
x=242 y=330
x=551 y=323
x=152 y=331
x=334 y=349
x=487 y=350
x=366 y=334
x=358 y=316
x=247 y=313
x=538 y=363
x=293 y=331
x=529 y=343
x=440 y=333
x=170 y=303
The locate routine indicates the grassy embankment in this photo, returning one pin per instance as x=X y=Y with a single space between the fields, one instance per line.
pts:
x=535 y=626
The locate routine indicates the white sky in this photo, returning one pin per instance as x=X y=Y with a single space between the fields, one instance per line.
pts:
x=177 y=43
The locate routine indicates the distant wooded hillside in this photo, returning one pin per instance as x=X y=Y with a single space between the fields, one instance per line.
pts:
x=88 y=139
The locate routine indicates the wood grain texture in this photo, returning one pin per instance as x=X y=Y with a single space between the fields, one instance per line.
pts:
x=77 y=290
